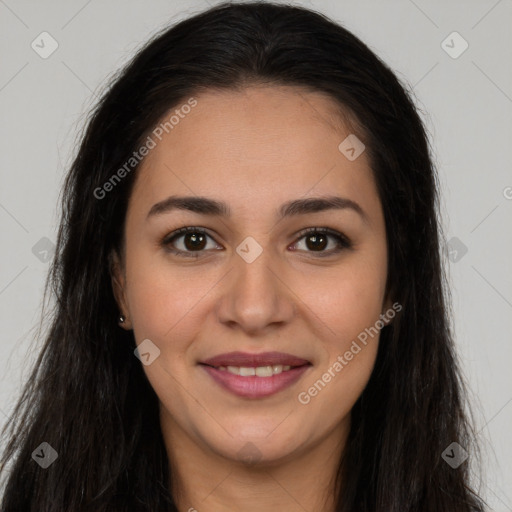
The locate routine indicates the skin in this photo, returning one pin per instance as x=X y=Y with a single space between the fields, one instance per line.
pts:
x=254 y=149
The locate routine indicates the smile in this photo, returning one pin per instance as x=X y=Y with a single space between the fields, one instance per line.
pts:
x=260 y=371
x=253 y=386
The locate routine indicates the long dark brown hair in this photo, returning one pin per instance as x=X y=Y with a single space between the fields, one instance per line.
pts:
x=88 y=396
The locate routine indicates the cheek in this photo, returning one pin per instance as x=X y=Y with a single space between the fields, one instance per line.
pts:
x=349 y=349
x=346 y=300
x=164 y=301
x=153 y=294
x=348 y=305
x=150 y=303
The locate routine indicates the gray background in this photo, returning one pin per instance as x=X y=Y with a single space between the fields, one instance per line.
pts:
x=466 y=102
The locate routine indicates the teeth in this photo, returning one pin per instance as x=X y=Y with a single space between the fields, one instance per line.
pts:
x=260 y=371
x=264 y=371
x=246 y=372
x=234 y=369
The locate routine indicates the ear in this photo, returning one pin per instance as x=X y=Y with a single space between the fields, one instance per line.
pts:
x=118 y=281
x=387 y=305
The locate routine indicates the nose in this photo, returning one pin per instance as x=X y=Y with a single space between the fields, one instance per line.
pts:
x=256 y=296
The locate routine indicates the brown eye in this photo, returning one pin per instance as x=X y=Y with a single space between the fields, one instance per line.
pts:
x=191 y=242
x=187 y=241
x=194 y=241
x=317 y=240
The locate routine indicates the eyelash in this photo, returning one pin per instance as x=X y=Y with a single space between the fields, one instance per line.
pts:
x=342 y=241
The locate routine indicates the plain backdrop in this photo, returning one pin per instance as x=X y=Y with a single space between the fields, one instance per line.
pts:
x=462 y=84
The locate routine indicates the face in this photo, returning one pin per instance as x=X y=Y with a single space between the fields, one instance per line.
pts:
x=248 y=279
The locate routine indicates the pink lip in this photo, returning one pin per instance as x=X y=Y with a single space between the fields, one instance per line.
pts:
x=253 y=386
x=255 y=360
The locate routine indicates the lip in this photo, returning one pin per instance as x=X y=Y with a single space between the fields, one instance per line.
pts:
x=255 y=387
x=254 y=360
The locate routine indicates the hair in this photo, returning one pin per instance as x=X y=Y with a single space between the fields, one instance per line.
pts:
x=88 y=396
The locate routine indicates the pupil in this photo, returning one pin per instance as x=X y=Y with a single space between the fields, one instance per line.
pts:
x=196 y=239
x=315 y=239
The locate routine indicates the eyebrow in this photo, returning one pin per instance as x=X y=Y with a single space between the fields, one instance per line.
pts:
x=207 y=206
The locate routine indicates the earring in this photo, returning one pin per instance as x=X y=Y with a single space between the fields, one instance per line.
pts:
x=122 y=318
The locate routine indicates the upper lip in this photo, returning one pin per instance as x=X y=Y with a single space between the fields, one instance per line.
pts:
x=254 y=360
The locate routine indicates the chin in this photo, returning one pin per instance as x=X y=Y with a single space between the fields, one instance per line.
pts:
x=252 y=447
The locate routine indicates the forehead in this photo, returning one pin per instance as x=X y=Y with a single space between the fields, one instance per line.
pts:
x=254 y=145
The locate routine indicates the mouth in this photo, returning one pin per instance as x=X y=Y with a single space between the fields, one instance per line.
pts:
x=255 y=375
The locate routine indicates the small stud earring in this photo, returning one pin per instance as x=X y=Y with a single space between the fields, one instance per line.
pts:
x=122 y=318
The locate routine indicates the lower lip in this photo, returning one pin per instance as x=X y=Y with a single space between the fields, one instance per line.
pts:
x=255 y=387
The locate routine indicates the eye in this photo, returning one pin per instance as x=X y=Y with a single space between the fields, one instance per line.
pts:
x=317 y=239
x=195 y=240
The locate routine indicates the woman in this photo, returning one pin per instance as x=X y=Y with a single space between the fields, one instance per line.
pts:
x=250 y=303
